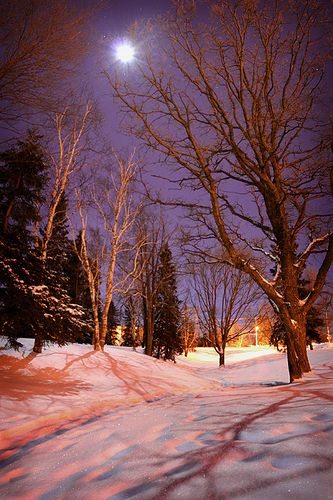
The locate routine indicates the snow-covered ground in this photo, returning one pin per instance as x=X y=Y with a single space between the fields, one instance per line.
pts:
x=82 y=425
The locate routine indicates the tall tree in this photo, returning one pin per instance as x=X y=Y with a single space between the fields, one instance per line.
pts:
x=151 y=233
x=117 y=212
x=233 y=107
x=167 y=341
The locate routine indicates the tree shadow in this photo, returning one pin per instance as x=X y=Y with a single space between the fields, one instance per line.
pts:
x=20 y=384
x=132 y=381
x=231 y=446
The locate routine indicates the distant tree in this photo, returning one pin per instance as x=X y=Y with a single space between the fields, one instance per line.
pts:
x=167 y=341
x=151 y=232
x=130 y=335
x=127 y=335
x=314 y=321
x=314 y=330
x=314 y=327
x=78 y=286
x=113 y=323
x=188 y=329
x=225 y=300
x=278 y=336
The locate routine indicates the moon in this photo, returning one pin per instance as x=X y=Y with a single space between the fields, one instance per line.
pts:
x=125 y=52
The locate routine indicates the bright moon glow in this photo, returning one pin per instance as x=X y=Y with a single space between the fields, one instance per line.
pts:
x=125 y=52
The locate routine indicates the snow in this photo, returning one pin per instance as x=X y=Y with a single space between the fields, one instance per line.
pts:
x=83 y=425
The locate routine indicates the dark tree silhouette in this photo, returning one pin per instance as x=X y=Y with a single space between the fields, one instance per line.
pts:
x=167 y=338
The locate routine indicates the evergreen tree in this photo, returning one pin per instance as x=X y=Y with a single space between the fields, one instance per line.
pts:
x=59 y=246
x=73 y=318
x=130 y=334
x=113 y=322
x=127 y=335
x=23 y=175
x=314 y=321
x=167 y=338
x=78 y=287
x=34 y=301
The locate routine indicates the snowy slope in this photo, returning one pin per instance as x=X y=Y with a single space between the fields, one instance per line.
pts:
x=83 y=425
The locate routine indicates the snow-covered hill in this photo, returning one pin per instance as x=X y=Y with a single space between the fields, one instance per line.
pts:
x=84 y=425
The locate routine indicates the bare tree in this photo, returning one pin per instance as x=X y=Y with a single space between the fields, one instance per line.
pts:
x=133 y=308
x=118 y=212
x=151 y=232
x=188 y=328
x=41 y=46
x=234 y=107
x=225 y=300
x=66 y=160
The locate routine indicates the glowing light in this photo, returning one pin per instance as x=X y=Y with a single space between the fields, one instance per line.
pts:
x=125 y=52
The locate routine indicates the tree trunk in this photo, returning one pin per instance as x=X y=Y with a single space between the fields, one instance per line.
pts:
x=133 y=337
x=298 y=334
x=103 y=332
x=303 y=357
x=295 y=371
x=301 y=345
x=96 y=337
x=294 y=324
x=221 y=357
x=149 y=332
x=38 y=344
